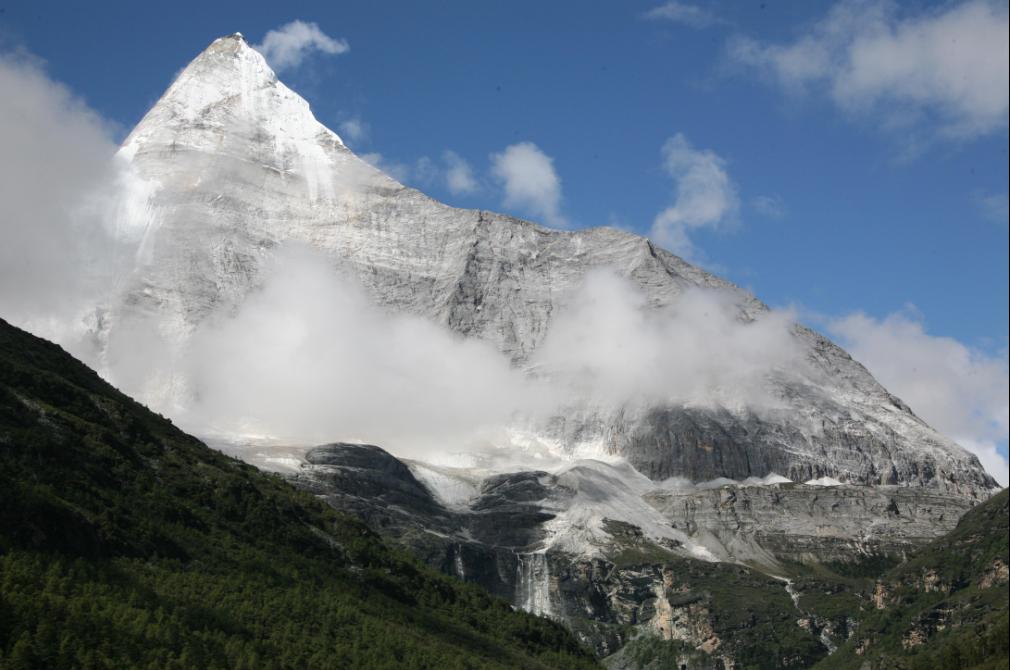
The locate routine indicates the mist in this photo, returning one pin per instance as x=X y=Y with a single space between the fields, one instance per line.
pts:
x=610 y=347
x=308 y=358
x=59 y=185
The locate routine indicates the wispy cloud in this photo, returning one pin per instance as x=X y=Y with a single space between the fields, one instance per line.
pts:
x=402 y=172
x=946 y=68
x=354 y=130
x=705 y=196
x=459 y=178
x=287 y=47
x=769 y=206
x=957 y=389
x=58 y=203
x=308 y=357
x=683 y=13
x=993 y=206
x=453 y=172
x=530 y=182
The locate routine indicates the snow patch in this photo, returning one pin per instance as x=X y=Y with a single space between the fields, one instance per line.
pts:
x=685 y=485
x=603 y=491
x=824 y=481
x=454 y=488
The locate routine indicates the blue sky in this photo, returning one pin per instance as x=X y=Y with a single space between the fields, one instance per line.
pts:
x=850 y=190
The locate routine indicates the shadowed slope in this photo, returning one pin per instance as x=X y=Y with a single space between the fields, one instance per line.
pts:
x=125 y=542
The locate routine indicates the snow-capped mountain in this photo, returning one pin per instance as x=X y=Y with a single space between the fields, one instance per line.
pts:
x=232 y=163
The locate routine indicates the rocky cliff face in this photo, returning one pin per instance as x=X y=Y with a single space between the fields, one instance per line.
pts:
x=704 y=569
x=789 y=522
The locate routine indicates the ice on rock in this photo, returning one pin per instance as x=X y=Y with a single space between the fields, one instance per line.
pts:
x=823 y=481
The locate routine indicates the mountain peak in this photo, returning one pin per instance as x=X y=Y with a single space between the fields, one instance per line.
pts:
x=228 y=89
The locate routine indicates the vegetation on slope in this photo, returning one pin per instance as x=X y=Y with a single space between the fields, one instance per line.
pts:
x=946 y=607
x=127 y=543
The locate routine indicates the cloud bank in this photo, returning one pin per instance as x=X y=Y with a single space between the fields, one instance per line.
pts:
x=308 y=357
x=960 y=391
x=287 y=47
x=948 y=67
x=530 y=182
x=58 y=204
x=609 y=346
x=705 y=196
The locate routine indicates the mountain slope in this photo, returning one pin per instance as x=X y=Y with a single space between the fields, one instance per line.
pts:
x=231 y=164
x=946 y=607
x=126 y=543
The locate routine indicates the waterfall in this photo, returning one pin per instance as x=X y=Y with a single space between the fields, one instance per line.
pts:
x=533 y=583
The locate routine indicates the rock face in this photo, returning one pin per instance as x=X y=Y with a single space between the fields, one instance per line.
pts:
x=790 y=522
x=233 y=164
x=545 y=542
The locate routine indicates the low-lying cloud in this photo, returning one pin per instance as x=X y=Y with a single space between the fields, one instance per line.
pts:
x=58 y=185
x=308 y=357
x=610 y=346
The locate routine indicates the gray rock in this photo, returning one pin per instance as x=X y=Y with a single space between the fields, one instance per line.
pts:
x=637 y=584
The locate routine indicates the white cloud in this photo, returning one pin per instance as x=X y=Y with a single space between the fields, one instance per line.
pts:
x=993 y=206
x=705 y=195
x=531 y=184
x=354 y=130
x=58 y=206
x=459 y=177
x=947 y=67
x=958 y=390
x=684 y=13
x=401 y=172
x=287 y=47
x=609 y=345
x=769 y=206
x=453 y=172
x=309 y=357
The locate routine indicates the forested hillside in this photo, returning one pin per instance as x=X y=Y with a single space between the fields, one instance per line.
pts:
x=126 y=543
x=946 y=607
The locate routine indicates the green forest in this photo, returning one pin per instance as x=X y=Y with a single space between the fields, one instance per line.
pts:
x=125 y=543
